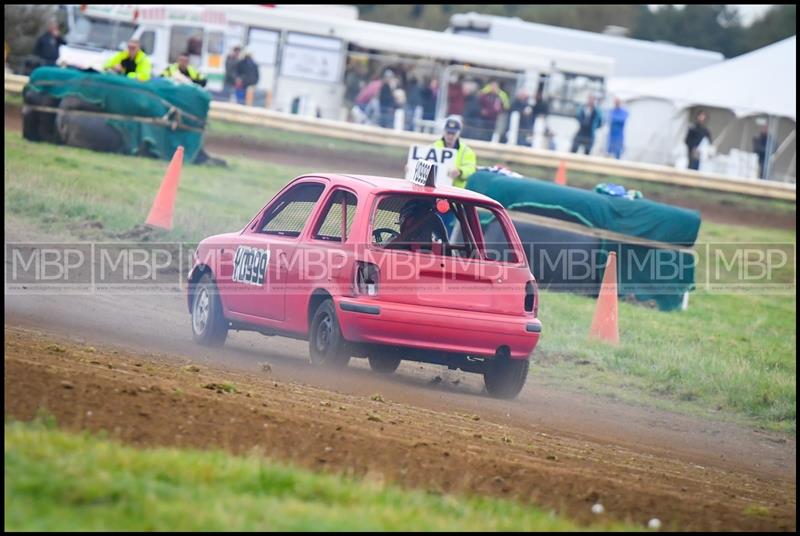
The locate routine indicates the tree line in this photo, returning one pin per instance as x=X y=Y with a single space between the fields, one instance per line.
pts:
x=716 y=27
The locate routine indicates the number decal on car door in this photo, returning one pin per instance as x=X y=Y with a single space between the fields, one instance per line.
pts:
x=250 y=265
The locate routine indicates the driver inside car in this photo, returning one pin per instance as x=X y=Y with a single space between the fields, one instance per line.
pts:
x=421 y=227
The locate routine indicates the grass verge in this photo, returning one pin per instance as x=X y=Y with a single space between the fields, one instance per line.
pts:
x=80 y=191
x=79 y=482
x=729 y=352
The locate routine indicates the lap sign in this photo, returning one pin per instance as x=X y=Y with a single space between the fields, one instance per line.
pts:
x=444 y=159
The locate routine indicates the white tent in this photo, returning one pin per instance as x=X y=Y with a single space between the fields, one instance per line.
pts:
x=761 y=82
x=734 y=92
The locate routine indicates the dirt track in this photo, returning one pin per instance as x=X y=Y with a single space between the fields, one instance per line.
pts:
x=157 y=400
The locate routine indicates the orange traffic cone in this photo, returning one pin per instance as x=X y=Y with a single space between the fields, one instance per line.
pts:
x=164 y=203
x=604 y=324
x=561 y=174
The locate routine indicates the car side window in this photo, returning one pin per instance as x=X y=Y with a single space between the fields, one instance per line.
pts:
x=289 y=214
x=337 y=215
x=497 y=245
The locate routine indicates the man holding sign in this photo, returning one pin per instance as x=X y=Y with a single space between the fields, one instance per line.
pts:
x=465 y=162
x=454 y=160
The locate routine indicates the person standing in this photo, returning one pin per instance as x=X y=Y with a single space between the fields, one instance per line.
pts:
x=761 y=142
x=472 y=111
x=589 y=120
x=540 y=109
x=494 y=101
x=697 y=132
x=430 y=92
x=455 y=95
x=46 y=47
x=231 y=63
x=132 y=62
x=386 y=99
x=413 y=101
x=465 y=160
x=246 y=76
x=523 y=106
x=616 y=129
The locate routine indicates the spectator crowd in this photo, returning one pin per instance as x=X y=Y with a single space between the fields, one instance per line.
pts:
x=375 y=95
x=483 y=103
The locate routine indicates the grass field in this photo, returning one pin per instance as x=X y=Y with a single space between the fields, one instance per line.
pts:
x=77 y=482
x=733 y=354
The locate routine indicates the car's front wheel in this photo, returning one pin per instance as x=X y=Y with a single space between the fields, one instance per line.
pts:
x=505 y=377
x=326 y=344
x=209 y=326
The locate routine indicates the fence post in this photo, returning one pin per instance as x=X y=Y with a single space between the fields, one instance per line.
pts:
x=513 y=128
x=399 y=119
x=416 y=125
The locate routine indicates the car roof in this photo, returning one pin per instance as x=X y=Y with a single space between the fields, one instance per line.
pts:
x=372 y=183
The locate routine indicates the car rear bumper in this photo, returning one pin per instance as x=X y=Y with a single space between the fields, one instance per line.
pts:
x=436 y=328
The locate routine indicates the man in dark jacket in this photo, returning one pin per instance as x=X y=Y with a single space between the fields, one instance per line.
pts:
x=47 y=45
x=694 y=137
x=386 y=99
x=246 y=76
x=522 y=105
x=429 y=94
x=231 y=62
x=589 y=120
x=761 y=142
x=472 y=111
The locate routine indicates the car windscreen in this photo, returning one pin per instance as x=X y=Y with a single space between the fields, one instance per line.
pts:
x=99 y=33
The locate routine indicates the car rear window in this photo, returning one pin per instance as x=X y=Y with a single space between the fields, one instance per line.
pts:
x=440 y=226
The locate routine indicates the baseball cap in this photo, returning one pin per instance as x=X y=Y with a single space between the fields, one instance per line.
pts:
x=452 y=125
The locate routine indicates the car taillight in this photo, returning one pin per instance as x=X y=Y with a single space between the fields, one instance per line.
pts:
x=366 y=279
x=532 y=298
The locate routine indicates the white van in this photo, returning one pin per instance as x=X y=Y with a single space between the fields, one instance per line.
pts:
x=96 y=32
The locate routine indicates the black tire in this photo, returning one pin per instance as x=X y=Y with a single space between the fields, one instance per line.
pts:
x=326 y=345
x=505 y=377
x=209 y=326
x=384 y=360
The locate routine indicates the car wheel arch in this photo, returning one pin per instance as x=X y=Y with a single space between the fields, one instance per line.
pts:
x=318 y=296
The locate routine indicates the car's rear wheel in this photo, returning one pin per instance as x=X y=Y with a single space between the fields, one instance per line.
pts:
x=326 y=344
x=209 y=326
x=505 y=377
x=384 y=360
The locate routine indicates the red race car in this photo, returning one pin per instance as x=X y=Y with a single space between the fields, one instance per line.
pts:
x=374 y=267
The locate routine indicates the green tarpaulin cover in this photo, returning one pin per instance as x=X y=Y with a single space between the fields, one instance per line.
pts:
x=156 y=98
x=650 y=273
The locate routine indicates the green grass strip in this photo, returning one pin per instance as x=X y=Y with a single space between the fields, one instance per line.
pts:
x=68 y=482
